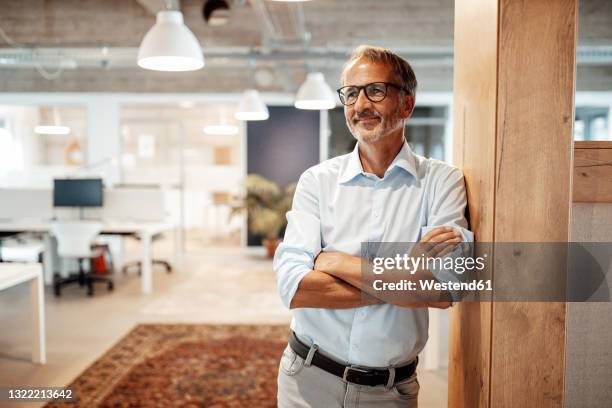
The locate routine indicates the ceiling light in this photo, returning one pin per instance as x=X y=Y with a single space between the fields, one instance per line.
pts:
x=222 y=130
x=170 y=45
x=314 y=93
x=216 y=12
x=251 y=107
x=52 y=130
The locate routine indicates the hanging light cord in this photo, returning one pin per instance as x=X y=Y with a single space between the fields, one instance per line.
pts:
x=48 y=75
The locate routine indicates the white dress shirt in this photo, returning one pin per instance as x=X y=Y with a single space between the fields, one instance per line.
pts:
x=336 y=207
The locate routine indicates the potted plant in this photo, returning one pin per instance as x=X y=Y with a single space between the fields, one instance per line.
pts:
x=266 y=204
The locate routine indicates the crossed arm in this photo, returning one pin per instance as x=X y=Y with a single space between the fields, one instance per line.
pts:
x=336 y=281
x=322 y=290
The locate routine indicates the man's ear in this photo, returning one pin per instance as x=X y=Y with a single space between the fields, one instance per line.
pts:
x=408 y=106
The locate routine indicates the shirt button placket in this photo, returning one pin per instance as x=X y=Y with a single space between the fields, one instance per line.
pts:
x=377 y=204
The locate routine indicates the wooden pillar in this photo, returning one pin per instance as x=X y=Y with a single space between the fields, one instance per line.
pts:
x=514 y=76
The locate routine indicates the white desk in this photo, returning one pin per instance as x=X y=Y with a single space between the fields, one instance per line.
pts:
x=12 y=274
x=144 y=230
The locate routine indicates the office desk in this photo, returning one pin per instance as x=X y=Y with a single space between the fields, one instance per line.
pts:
x=144 y=230
x=12 y=274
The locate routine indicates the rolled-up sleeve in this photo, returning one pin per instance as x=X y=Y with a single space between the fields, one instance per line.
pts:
x=448 y=203
x=447 y=209
x=295 y=256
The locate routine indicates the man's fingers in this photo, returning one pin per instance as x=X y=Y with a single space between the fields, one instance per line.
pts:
x=432 y=243
x=445 y=248
x=437 y=249
x=429 y=242
x=446 y=236
x=434 y=232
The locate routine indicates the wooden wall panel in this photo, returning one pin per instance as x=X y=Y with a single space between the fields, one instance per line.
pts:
x=518 y=175
x=533 y=191
x=592 y=172
x=474 y=118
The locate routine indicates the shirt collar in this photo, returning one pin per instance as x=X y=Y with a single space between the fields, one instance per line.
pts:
x=405 y=160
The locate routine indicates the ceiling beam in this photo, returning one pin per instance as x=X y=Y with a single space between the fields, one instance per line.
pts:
x=153 y=6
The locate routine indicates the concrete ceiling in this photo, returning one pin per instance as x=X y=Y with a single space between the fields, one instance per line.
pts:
x=334 y=23
x=91 y=45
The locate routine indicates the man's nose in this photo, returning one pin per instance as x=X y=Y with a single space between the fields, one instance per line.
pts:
x=362 y=101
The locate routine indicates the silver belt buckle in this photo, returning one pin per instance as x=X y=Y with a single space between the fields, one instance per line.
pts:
x=353 y=368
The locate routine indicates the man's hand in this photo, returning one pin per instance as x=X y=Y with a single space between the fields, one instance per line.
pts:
x=437 y=243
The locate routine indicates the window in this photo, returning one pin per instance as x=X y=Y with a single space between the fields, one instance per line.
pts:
x=6 y=146
x=592 y=123
x=425 y=132
x=32 y=149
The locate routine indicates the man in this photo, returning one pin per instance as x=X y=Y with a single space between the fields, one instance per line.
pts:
x=350 y=348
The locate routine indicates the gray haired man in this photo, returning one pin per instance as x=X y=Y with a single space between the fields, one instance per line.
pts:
x=350 y=349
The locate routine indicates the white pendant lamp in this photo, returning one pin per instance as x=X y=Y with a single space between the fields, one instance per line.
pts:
x=170 y=45
x=251 y=107
x=314 y=93
x=54 y=128
x=221 y=130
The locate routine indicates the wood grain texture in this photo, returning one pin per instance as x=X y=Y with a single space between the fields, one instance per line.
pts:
x=475 y=78
x=537 y=48
x=535 y=117
x=593 y=172
x=514 y=88
x=594 y=144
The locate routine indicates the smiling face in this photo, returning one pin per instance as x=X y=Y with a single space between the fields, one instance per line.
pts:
x=370 y=121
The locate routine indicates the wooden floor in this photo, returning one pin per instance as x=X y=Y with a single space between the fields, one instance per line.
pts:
x=221 y=285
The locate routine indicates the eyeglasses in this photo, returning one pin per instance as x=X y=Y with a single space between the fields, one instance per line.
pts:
x=375 y=92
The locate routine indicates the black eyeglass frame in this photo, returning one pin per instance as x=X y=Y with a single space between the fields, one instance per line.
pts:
x=363 y=87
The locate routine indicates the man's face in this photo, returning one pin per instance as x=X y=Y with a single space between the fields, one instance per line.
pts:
x=370 y=121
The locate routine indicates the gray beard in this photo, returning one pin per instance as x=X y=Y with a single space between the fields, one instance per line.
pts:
x=384 y=129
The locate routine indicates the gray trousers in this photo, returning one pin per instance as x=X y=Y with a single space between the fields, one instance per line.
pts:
x=305 y=386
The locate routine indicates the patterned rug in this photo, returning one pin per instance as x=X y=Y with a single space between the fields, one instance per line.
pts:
x=185 y=365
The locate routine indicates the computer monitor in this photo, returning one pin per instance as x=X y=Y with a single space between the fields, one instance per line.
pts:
x=78 y=193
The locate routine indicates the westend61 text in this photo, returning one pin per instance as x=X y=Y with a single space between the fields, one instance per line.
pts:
x=433 y=285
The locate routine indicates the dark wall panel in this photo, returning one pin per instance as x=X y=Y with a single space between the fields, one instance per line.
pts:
x=283 y=146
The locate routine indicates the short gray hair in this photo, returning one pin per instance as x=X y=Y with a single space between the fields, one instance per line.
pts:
x=402 y=68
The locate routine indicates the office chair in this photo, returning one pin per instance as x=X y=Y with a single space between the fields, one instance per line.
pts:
x=138 y=264
x=74 y=240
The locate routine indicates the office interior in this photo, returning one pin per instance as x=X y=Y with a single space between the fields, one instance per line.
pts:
x=150 y=170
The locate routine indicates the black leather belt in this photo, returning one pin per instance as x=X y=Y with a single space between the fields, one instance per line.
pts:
x=352 y=374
